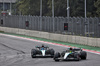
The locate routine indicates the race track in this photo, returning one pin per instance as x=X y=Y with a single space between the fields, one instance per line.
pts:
x=16 y=52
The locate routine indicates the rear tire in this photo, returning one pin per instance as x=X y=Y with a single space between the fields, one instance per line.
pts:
x=83 y=55
x=52 y=52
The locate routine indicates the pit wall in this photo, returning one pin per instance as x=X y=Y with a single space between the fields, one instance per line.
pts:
x=58 y=37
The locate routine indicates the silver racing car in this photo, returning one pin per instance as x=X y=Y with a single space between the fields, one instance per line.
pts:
x=71 y=54
x=42 y=51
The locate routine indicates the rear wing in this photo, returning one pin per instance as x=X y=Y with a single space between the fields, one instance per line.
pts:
x=77 y=49
x=42 y=47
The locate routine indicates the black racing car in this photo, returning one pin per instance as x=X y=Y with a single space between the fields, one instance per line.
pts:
x=42 y=51
x=71 y=54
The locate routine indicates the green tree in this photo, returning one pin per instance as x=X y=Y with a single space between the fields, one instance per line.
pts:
x=59 y=7
x=32 y=7
x=21 y=6
x=76 y=8
x=97 y=5
x=28 y=7
x=45 y=9
x=91 y=9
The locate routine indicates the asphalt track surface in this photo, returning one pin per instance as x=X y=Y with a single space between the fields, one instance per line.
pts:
x=16 y=52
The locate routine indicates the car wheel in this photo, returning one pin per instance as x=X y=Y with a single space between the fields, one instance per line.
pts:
x=52 y=52
x=56 y=56
x=63 y=53
x=83 y=55
x=76 y=57
x=33 y=53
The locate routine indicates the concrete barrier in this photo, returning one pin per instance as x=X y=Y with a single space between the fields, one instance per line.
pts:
x=44 y=35
x=64 y=38
x=77 y=39
x=98 y=42
x=69 y=39
x=84 y=40
x=92 y=42
x=34 y=33
x=73 y=39
x=21 y=31
x=58 y=37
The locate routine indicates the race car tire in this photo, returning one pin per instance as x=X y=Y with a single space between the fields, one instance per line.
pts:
x=63 y=53
x=33 y=53
x=76 y=57
x=83 y=55
x=52 y=52
x=56 y=56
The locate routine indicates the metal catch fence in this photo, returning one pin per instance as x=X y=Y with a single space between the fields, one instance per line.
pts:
x=76 y=25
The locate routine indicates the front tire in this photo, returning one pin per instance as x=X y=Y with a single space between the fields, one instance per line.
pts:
x=56 y=56
x=77 y=57
x=33 y=53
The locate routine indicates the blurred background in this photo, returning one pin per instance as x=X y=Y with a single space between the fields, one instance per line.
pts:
x=71 y=17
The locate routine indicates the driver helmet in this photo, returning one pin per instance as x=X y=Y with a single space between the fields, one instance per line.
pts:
x=42 y=45
x=70 y=48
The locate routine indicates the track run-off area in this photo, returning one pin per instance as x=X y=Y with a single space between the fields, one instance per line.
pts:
x=16 y=51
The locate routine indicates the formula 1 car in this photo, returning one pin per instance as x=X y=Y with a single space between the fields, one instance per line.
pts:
x=75 y=54
x=42 y=51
